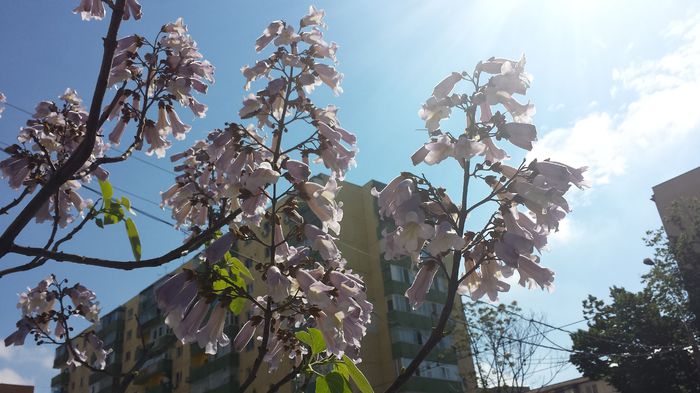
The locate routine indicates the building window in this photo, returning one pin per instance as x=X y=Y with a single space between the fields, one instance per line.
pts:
x=128 y=335
x=179 y=351
x=129 y=313
x=249 y=263
x=127 y=356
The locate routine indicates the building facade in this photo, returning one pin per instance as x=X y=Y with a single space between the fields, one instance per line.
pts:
x=394 y=337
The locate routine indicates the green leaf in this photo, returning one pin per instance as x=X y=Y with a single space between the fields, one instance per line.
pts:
x=237 y=266
x=318 y=344
x=313 y=338
x=322 y=385
x=304 y=337
x=336 y=383
x=360 y=380
x=127 y=204
x=134 y=239
x=98 y=222
x=237 y=305
x=107 y=192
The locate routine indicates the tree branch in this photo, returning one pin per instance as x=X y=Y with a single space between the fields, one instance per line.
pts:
x=178 y=252
x=83 y=151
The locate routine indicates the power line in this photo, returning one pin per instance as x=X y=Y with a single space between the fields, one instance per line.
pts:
x=136 y=209
x=160 y=168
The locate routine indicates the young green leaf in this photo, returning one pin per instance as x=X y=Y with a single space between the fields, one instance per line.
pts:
x=237 y=266
x=107 y=192
x=322 y=385
x=134 y=239
x=360 y=380
x=318 y=344
x=337 y=384
x=127 y=204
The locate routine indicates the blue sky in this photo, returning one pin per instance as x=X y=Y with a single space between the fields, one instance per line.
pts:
x=614 y=84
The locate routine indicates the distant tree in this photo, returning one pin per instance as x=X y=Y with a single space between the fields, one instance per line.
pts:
x=643 y=341
x=503 y=344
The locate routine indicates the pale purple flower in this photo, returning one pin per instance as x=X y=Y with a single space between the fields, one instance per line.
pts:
x=263 y=175
x=298 y=171
x=437 y=150
x=520 y=134
x=446 y=239
x=3 y=100
x=178 y=127
x=245 y=334
x=116 y=135
x=216 y=251
x=313 y=18
x=84 y=301
x=444 y=88
x=99 y=351
x=559 y=175
x=24 y=326
x=90 y=9
x=16 y=169
x=316 y=291
x=272 y=30
x=211 y=336
x=492 y=152
x=186 y=329
x=278 y=284
x=321 y=201
x=434 y=110
x=251 y=106
x=162 y=125
x=176 y=295
x=421 y=285
x=157 y=141
x=489 y=281
x=322 y=242
x=466 y=149
x=531 y=273
x=132 y=8
x=331 y=325
x=74 y=362
x=330 y=76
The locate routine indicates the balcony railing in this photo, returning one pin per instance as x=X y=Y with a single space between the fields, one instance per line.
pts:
x=229 y=360
x=161 y=367
x=61 y=379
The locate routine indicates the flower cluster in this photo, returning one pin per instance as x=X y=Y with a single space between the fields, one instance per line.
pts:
x=425 y=219
x=171 y=70
x=3 y=99
x=47 y=304
x=95 y=9
x=48 y=140
x=242 y=168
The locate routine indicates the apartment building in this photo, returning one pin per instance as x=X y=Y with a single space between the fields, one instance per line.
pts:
x=394 y=337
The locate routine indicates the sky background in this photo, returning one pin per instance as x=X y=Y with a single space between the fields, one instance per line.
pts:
x=615 y=85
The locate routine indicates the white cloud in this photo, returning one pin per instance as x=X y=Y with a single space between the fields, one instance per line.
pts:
x=35 y=355
x=659 y=117
x=9 y=376
x=554 y=108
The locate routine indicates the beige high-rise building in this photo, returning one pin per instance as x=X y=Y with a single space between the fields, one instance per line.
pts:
x=394 y=337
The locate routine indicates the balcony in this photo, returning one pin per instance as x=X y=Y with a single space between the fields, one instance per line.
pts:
x=409 y=319
x=406 y=350
x=159 y=389
x=162 y=344
x=112 y=369
x=61 y=357
x=229 y=360
x=60 y=380
x=162 y=367
x=423 y=384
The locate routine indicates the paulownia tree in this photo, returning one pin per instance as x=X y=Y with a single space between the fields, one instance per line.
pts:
x=257 y=172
